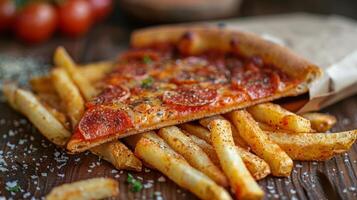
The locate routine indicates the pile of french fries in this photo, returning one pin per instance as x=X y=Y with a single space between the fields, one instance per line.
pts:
x=208 y=157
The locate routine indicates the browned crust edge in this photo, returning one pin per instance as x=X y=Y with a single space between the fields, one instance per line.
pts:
x=206 y=37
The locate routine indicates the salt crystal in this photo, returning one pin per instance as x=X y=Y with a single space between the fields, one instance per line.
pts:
x=346 y=121
x=12 y=133
x=270 y=187
x=298 y=166
x=60 y=175
x=44 y=174
x=117 y=176
x=292 y=191
x=114 y=171
x=161 y=179
x=352 y=189
x=11 y=146
x=11 y=184
x=148 y=185
x=344 y=190
x=26 y=195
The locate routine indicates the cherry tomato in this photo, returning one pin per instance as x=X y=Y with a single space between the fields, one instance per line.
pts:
x=7 y=14
x=75 y=17
x=101 y=9
x=36 y=22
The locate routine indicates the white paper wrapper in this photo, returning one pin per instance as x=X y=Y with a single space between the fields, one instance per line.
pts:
x=330 y=42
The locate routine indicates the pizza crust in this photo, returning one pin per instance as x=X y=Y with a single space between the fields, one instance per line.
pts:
x=196 y=39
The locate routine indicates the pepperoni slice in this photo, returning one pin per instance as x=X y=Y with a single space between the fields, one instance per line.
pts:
x=190 y=96
x=100 y=121
x=257 y=84
x=110 y=95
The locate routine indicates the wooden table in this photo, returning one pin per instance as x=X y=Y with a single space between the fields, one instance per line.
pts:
x=38 y=166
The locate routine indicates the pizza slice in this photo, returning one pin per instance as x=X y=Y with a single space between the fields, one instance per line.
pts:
x=176 y=74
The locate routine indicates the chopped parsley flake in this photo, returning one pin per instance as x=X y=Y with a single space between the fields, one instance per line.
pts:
x=147 y=60
x=136 y=185
x=15 y=188
x=147 y=83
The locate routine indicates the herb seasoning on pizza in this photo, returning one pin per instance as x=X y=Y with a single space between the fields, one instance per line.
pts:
x=176 y=74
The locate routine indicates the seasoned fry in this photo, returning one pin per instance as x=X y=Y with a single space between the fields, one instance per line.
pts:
x=241 y=181
x=280 y=163
x=63 y=60
x=200 y=131
x=266 y=127
x=27 y=103
x=68 y=93
x=314 y=146
x=277 y=116
x=42 y=84
x=256 y=166
x=197 y=130
x=207 y=148
x=94 y=72
x=321 y=122
x=194 y=155
x=118 y=154
x=95 y=188
x=154 y=151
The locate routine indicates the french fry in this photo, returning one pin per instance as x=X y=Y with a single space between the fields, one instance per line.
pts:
x=27 y=103
x=256 y=166
x=69 y=93
x=203 y=133
x=42 y=84
x=197 y=130
x=241 y=181
x=277 y=116
x=314 y=146
x=280 y=163
x=118 y=154
x=266 y=127
x=94 y=72
x=194 y=155
x=154 y=151
x=320 y=122
x=207 y=148
x=63 y=60
x=95 y=188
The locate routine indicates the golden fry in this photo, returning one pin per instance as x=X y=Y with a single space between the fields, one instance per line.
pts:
x=118 y=154
x=69 y=94
x=27 y=103
x=280 y=163
x=256 y=166
x=276 y=116
x=321 y=122
x=314 y=146
x=95 y=188
x=194 y=155
x=94 y=72
x=154 y=151
x=241 y=181
x=63 y=60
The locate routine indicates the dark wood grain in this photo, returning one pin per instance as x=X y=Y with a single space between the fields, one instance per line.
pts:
x=28 y=155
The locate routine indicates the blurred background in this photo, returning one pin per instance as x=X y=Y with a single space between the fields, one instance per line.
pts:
x=33 y=27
